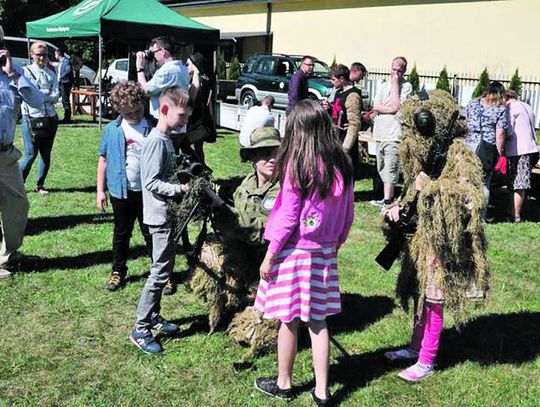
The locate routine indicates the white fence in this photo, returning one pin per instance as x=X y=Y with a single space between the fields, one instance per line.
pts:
x=462 y=86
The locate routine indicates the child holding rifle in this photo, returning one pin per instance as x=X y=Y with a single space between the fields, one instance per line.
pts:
x=310 y=221
x=158 y=164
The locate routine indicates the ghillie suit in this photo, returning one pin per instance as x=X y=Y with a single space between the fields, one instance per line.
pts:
x=445 y=259
x=227 y=271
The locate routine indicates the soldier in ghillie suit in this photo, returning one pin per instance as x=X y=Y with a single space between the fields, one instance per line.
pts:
x=444 y=259
x=227 y=272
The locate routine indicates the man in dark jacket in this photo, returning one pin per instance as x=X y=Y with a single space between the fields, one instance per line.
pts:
x=298 y=84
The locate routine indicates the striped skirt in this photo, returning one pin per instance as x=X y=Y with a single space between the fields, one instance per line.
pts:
x=303 y=284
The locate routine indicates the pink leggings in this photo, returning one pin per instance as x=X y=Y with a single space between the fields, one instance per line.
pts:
x=427 y=332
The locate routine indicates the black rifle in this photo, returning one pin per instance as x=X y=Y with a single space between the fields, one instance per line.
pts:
x=408 y=218
x=200 y=196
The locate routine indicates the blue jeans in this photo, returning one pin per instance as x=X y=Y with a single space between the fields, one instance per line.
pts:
x=42 y=145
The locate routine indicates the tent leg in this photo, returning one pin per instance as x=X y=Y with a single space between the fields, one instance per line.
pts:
x=100 y=40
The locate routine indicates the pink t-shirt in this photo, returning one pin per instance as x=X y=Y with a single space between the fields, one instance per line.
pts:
x=310 y=222
x=521 y=137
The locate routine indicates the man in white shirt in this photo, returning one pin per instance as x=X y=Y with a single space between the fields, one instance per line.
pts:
x=387 y=126
x=257 y=117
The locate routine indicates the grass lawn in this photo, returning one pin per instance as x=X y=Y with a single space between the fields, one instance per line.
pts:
x=64 y=338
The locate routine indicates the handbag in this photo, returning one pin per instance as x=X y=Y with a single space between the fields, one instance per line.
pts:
x=486 y=152
x=40 y=124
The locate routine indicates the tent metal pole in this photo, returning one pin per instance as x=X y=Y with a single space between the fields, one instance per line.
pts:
x=99 y=77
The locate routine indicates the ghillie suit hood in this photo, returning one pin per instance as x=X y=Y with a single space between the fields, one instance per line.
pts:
x=448 y=249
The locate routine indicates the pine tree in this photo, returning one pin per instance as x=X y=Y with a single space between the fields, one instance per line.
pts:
x=515 y=83
x=483 y=83
x=234 y=70
x=414 y=79
x=443 y=82
x=221 y=67
x=333 y=64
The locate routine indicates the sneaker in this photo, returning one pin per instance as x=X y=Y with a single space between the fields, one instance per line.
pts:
x=116 y=281
x=317 y=401
x=142 y=338
x=417 y=372
x=42 y=191
x=19 y=261
x=401 y=354
x=5 y=273
x=161 y=324
x=170 y=288
x=379 y=203
x=268 y=386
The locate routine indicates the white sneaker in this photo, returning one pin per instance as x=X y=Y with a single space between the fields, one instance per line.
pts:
x=417 y=372
x=5 y=274
x=380 y=203
x=401 y=354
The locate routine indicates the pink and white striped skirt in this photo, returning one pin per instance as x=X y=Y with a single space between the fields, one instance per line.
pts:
x=304 y=284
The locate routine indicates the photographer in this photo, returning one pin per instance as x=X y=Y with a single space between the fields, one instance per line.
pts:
x=170 y=73
x=14 y=203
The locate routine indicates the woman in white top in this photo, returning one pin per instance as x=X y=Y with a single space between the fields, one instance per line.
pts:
x=39 y=125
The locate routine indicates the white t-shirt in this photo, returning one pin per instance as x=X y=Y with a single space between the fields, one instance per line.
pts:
x=135 y=135
x=387 y=127
x=257 y=117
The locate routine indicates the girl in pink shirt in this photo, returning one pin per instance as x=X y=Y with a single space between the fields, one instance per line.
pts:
x=310 y=220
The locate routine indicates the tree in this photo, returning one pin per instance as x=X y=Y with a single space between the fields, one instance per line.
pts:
x=333 y=64
x=515 y=83
x=414 y=79
x=234 y=69
x=483 y=83
x=443 y=82
x=221 y=67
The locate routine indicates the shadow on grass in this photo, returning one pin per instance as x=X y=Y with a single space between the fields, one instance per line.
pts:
x=90 y=188
x=198 y=324
x=49 y=223
x=83 y=261
x=489 y=339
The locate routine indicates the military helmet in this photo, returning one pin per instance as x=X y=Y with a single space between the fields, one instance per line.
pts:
x=263 y=137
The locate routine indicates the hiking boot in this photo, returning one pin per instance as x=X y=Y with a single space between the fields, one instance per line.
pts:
x=170 y=288
x=162 y=325
x=417 y=372
x=401 y=354
x=143 y=339
x=268 y=386
x=317 y=401
x=116 y=281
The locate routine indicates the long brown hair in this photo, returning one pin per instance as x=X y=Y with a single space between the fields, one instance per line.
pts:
x=311 y=153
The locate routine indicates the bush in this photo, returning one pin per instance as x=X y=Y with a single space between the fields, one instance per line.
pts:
x=221 y=67
x=443 y=82
x=234 y=69
x=483 y=83
x=515 y=83
x=414 y=79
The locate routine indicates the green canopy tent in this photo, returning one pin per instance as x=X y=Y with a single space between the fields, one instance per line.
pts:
x=122 y=19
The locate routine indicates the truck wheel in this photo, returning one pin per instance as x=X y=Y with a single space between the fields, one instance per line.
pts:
x=247 y=99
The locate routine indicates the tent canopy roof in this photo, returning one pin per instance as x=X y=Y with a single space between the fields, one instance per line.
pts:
x=126 y=19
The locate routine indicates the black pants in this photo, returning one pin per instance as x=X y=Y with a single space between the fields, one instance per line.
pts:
x=65 y=92
x=125 y=211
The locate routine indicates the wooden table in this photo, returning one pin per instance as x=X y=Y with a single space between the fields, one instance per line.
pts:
x=84 y=101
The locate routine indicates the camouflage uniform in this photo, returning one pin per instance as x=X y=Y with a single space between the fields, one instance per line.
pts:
x=252 y=206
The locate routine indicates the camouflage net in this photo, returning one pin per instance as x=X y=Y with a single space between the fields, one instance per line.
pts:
x=449 y=246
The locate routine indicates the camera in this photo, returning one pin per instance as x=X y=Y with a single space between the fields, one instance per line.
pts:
x=148 y=54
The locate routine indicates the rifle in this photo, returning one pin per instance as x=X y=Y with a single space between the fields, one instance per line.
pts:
x=199 y=200
x=432 y=166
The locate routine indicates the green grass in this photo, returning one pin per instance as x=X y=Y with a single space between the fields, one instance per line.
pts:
x=64 y=338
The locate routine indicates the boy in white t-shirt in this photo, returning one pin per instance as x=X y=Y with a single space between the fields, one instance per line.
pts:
x=118 y=171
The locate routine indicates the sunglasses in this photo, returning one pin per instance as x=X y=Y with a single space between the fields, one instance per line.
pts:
x=41 y=55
